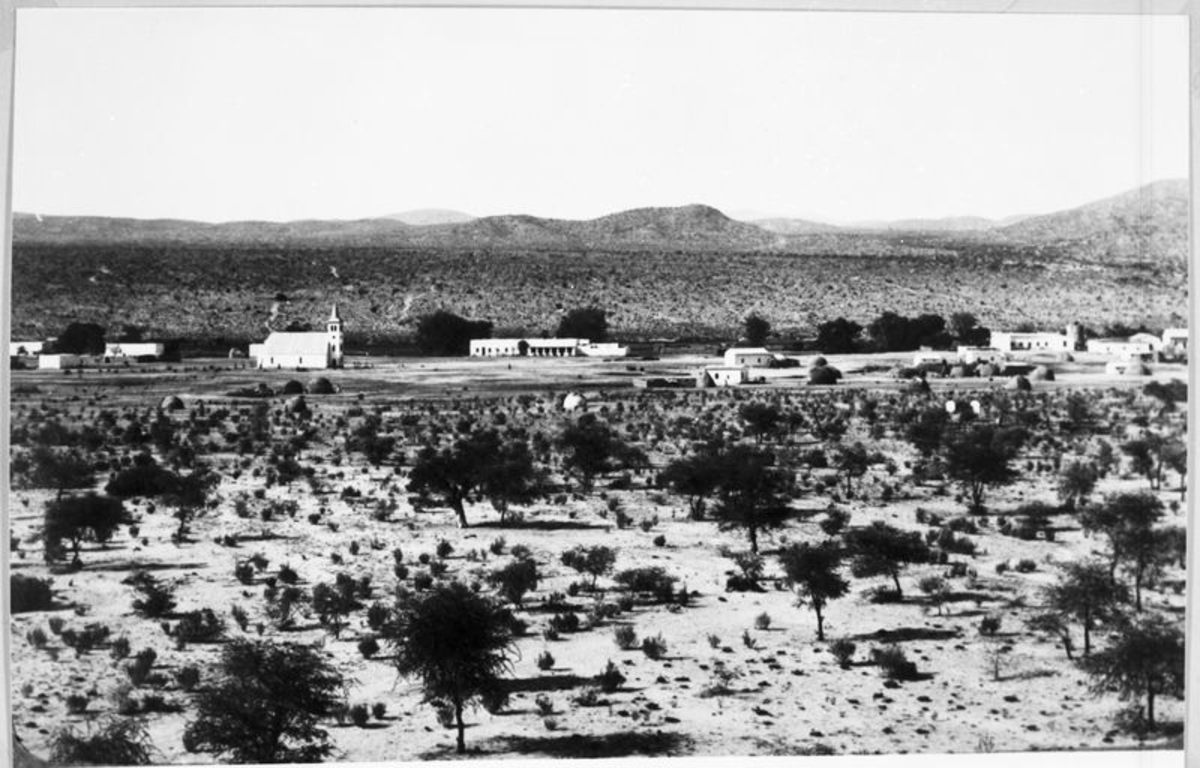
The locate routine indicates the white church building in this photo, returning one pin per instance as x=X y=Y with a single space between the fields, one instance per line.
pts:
x=303 y=349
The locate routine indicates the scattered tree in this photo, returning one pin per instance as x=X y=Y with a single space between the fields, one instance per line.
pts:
x=751 y=492
x=755 y=329
x=445 y=333
x=265 y=705
x=77 y=519
x=589 y=323
x=458 y=642
x=979 y=458
x=1147 y=659
x=812 y=570
x=883 y=550
x=1086 y=593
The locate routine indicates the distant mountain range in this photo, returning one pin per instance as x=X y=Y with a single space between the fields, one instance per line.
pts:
x=1148 y=223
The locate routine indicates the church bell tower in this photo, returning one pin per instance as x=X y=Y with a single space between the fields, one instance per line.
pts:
x=333 y=326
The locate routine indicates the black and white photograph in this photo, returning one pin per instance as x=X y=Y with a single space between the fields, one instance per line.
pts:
x=393 y=384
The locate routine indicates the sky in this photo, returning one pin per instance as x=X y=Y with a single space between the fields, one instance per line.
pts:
x=290 y=113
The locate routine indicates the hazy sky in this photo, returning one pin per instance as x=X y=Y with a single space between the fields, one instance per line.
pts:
x=222 y=114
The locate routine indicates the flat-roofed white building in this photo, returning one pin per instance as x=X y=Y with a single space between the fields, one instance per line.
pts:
x=755 y=357
x=306 y=349
x=16 y=348
x=606 y=349
x=134 y=349
x=971 y=355
x=1134 y=346
x=1035 y=341
x=530 y=347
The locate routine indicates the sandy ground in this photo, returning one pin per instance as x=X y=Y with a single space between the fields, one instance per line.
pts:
x=788 y=695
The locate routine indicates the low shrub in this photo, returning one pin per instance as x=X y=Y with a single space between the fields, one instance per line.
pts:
x=989 y=625
x=188 y=677
x=202 y=626
x=359 y=715
x=762 y=621
x=565 y=622
x=654 y=647
x=77 y=704
x=610 y=678
x=544 y=704
x=379 y=710
x=1025 y=565
x=625 y=637
x=37 y=637
x=368 y=647
x=843 y=651
x=893 y=663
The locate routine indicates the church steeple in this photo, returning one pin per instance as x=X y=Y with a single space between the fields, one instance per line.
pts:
x=333 y=326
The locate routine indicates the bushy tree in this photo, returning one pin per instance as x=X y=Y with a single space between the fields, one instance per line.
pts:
x=979 y=457
x=59 y=470
x=591 y=448
x=480 y=464
x=883 y=550
x=121 y=741
x=838 y=336
x=751 y=492
x=693 y=477
x=812 y=570
x=595 y=561
x=1146 y=660
x=458 y=642
x=1146 y=455
x=445 y=333
x=964 y=328
x=755 y=329
x=81 y=339
x=1127 y=520
x=761 y=419
x=514 y=580
x=1085 y=593
x=265 y=705
x=589 y=323
x=1076 y=482
x=77 y=519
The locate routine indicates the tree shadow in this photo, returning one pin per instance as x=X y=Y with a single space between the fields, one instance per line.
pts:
x=133 y=565
x=907 y=634
x=546 y=683
x=543 y=525
x=622 y=744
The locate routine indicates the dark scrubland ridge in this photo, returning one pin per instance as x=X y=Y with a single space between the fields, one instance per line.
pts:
x=230 y=293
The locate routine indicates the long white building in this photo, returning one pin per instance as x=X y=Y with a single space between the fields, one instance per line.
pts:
x=540 y=347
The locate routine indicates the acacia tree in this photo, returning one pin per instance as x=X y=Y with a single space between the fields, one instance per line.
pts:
x=883 y=550
x=1076 y=483
x=595 y=561
x=813 y=572
x=979 y=458
x=458 y=642
x=1127 y=520
x=591 y=448
x=694 y=477
x=481 y=463
x=1147 y=659
x=77 y=519
x=61 y=471
x=761 y=419
x=751 y=492
x=852 y=463
x=266 y=704
x=1086 y=593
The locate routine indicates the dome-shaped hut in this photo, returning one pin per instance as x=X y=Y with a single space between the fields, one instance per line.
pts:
x=824 y=375
x=170 y=403
x=1136 y=368
x=574 y=401
x=321 y=386
x=1042 y=373
x=295 y=405
x=292 y=387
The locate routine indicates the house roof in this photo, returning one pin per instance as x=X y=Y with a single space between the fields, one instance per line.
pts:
x=283 y=343
x=747 y=351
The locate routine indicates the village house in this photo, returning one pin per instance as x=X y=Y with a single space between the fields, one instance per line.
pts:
x=725 y=376
x=1034 y=341
x=1175 y=341
x=134 y=349
x=755 y=357
x=970 y=355
x=59 y=362
x=1137 y=345
x=19 y=348
x=306 y=349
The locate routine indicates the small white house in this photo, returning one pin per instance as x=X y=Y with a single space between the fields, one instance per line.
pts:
x=307 y=349
x=16 y=348
x=727 y=376
x=754 y=357
x=608 y=349
x=1017 y=341
x=59 y=362
x=970 y=355
x=1175 y=337
x=1134 y=346
x=924 y=357
x=133 y=349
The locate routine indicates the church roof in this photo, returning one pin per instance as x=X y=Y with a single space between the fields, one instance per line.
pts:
x=281 y=343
